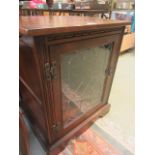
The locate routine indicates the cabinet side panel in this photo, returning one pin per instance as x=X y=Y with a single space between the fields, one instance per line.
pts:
x=32 y=109
x=28 y=69
x=30 y=87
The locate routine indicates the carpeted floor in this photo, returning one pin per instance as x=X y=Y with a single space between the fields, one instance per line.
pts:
x=114 y=133
x=91 y=142
x=119 y=123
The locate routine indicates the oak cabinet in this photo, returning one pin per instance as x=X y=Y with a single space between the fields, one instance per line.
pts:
x=66 y=72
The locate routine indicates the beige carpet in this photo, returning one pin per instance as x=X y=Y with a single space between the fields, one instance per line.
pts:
x=119 y=122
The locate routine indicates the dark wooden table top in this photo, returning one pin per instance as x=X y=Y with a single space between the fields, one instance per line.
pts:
x=44 y=25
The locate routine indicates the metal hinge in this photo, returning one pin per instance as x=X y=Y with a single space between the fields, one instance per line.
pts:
x=108 y=71
x=50 y=70
x=56 y=127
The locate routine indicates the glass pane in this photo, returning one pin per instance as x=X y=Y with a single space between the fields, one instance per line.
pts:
x=82 y=80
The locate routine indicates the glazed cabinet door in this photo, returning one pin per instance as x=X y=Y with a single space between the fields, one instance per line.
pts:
x=84 y=71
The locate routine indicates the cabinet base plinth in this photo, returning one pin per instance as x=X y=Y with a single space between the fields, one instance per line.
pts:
x=80 y=128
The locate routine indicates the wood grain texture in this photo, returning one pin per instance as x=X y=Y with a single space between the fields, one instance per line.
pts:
x=43 y=25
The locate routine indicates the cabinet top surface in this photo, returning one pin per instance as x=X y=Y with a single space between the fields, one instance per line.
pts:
x=45 y=25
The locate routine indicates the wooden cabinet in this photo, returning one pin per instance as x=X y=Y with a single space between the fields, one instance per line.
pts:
x=128 y=42
x=67 y=66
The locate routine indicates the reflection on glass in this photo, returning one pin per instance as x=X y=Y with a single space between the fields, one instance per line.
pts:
x=82 y=75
